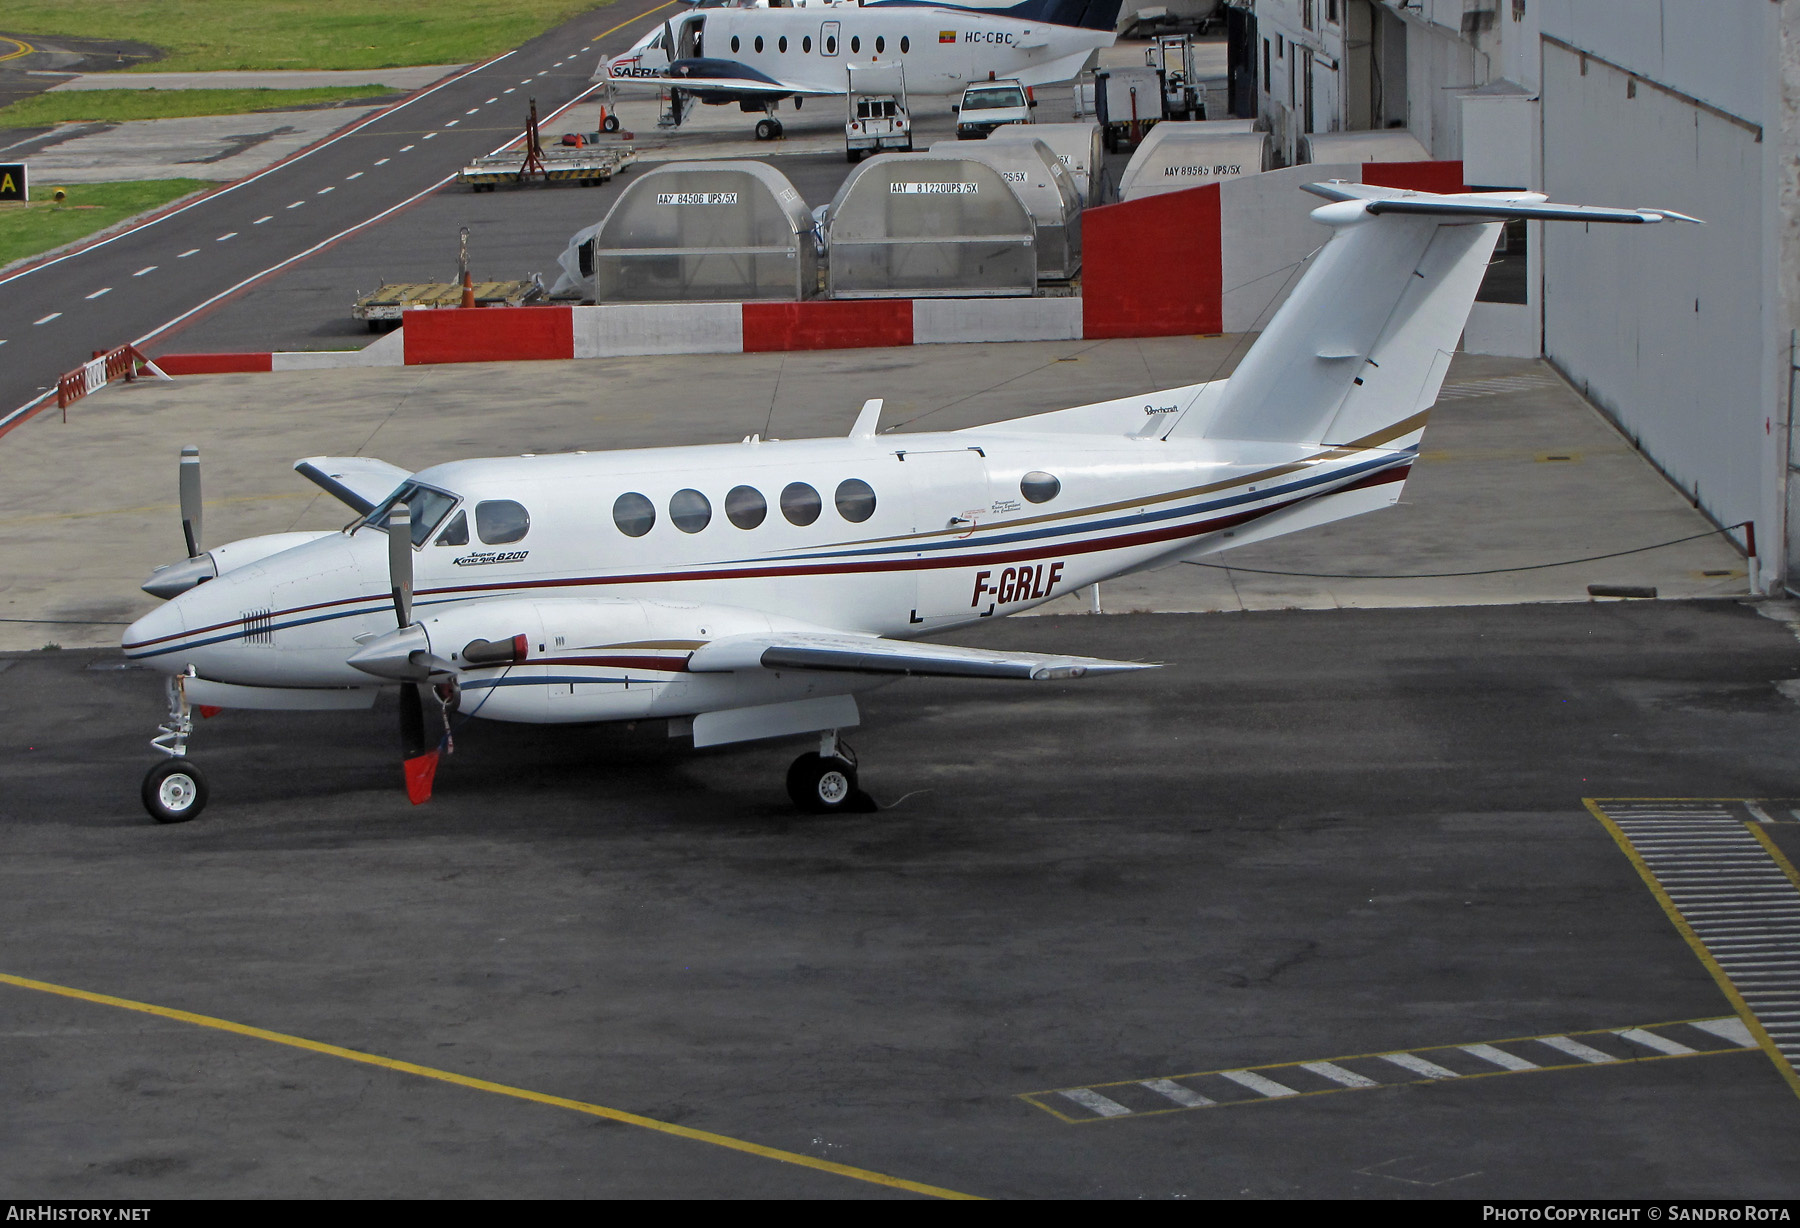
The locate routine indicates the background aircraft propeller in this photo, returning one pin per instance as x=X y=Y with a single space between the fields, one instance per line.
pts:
x=190 y=499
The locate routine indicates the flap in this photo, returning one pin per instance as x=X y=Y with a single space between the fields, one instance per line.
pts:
x=868 y=654
x=359 y=482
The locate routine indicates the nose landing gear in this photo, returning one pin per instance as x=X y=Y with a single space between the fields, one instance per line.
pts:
x=174 y=790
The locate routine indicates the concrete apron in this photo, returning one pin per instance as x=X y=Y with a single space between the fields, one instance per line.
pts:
x=1516 y=469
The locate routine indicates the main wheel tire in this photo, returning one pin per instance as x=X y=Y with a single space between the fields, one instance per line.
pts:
x=819 y=785
x=611 y=124
x=174 y=791
x=765 y=129
x=776 y=136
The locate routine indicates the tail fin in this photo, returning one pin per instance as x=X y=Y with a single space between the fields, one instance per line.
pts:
x=1358 y=352
x=1082 y=14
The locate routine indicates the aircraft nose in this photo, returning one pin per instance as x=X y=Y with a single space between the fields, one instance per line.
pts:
x=155 y=630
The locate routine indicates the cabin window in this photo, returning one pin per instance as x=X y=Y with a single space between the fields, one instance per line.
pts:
x=634 y=514
x=806 y=44
x=800 y=503
x=745 y=507
x=905 y=44
x=880 y=43
x=781 y=44
x=855 y=44
x=831 y=44
x=855 y=500
x=1039 y=487
x=734 y=42
x=499 y=521
x=759 y=44
x=690 y=510
x=458 y=532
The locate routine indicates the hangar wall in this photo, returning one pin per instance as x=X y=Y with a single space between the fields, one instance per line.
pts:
x=1680 y=333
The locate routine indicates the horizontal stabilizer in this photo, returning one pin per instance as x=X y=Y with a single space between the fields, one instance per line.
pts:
x=359 y=482
x=1483 y=207
x=868 y=654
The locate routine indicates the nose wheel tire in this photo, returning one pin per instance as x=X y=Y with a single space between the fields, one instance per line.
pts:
x=610 y=124
x=174 y=791
x=819 y=785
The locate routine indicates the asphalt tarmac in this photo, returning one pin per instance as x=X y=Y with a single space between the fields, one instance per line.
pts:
x=138 y=286
x=1309 y=835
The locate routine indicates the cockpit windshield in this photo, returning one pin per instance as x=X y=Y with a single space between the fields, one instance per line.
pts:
x=428 y=508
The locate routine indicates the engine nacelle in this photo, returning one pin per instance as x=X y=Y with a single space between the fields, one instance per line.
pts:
x=173 y=579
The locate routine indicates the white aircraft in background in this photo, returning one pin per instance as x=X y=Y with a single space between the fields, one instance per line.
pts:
x=756 y=57
x=750 y=590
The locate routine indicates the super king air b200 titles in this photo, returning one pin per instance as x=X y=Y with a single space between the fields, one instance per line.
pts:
x=750 y=590
x=756 y=57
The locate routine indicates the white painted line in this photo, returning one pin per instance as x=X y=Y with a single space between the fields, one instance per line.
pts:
x=264 y=218
x=453 y=123
x=1337 y=1074
x=1419 y=1065
x=525 y=81
x=1730 y=1028
x=490 y=102
x=148 y=268
x=1095 y=1102
x=296 y=204
x=471 y=110
x=1650 y=1040
x=357 y=175
x=327 y=188
x=1256 y=1083
x=506 y=91
x=1575 y=1048
x=542 y=71
x=404 y=148
x=1498 y=1057
x=428 y=136
x=279 y=265
x=52 y=316
x=2 y=340
x=96 y=294
x=382 y=161
x=189 y=252
x=268 y=170
x=1186 y=1097
x=229 y=234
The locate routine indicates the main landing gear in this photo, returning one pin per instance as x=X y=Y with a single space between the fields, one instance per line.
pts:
x=175 y=790
x=768 y=129
x=825 y=783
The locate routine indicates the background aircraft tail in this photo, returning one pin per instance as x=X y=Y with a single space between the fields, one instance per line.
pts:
x=1357 y=353
x=1083 y=14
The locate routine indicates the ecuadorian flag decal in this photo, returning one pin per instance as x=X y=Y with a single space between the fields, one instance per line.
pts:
x=946 y=36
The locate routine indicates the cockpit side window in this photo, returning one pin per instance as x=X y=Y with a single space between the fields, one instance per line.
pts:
x=428 y=508
x=458 y=532
x=499 y=521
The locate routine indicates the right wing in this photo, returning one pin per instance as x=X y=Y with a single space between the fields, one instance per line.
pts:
x=869 y=654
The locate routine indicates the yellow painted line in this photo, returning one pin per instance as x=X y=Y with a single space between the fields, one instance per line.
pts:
x=1691 y=938
x=659 y=8
x=483 y=1085
x=1762 y=837
x=1417 y=1051
x=24 y=48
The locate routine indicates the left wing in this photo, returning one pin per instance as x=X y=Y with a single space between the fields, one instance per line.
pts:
x=868 y=654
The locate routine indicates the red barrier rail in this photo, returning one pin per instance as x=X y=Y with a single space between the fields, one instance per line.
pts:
x=106 y=366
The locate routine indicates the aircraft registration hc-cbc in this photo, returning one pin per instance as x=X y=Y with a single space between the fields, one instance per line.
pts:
x=756 y=57
x=749 y=590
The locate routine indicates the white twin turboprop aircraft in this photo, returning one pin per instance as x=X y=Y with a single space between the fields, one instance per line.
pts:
x=750 y=590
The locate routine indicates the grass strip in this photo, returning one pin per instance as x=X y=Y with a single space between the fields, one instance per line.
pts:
x=26 y=230
x=206 y=35
x=119 y=106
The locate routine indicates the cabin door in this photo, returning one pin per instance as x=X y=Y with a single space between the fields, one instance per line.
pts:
x=949 y=500
x=828 y=38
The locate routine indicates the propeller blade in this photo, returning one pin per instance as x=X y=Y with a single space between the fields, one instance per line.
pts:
x=190 y=499
x=420 y=762
x=400 y=558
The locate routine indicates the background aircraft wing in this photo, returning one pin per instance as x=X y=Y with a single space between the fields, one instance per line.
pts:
x=868 y=654
x=360 y=482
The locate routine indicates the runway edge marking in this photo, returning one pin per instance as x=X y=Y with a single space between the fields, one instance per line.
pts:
x=1679 y=920
x=500 y=1089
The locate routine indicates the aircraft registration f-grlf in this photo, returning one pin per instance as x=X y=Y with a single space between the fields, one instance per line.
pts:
x=756 y=57
x=750 y=590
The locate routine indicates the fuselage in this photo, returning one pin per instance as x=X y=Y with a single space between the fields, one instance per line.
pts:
x=629 y=560
x=806 y=48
